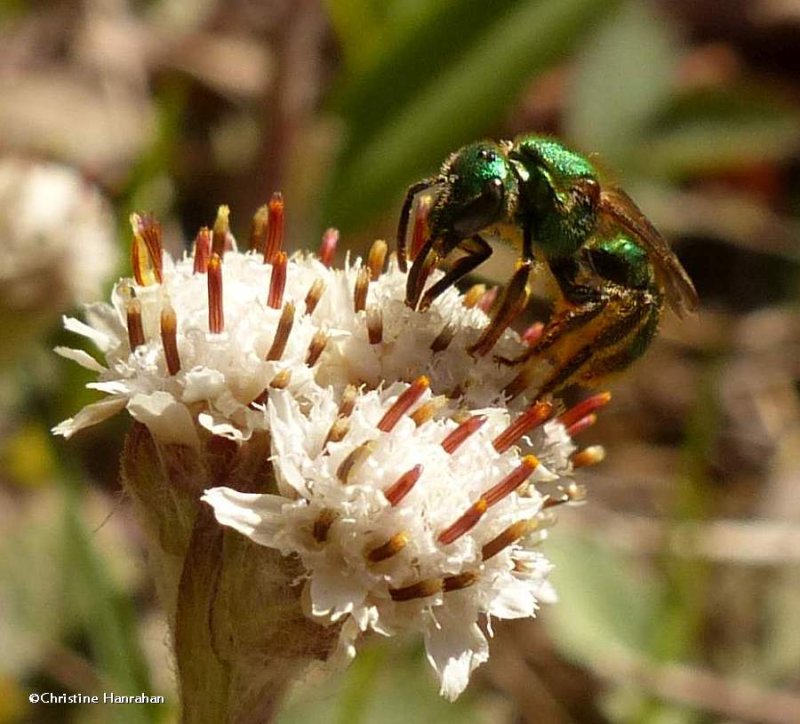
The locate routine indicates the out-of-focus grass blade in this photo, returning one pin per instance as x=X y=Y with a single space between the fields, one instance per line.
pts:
x=109 y=619
x=712 y=131
x=621 y=80
x=404 y=120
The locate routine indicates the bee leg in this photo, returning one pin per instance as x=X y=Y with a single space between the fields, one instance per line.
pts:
x=515 y=297
x=405 y=216
x=630 y=318
x=477 y=251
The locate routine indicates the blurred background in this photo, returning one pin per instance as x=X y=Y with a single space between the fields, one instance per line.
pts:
x=680 y=580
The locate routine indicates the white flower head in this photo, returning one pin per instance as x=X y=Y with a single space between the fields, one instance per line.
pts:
x=199 y=343
x=423 y=519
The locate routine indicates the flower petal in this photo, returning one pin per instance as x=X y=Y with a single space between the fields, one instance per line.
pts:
x=90 y=415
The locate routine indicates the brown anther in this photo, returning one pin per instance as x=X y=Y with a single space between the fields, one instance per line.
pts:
x=473 y=295
x=402 y=404
x=339 y=428
x=146 y=251
x=576 y=428
x=511 y=481
x=216 y=316
x=281 y=380
x=202 y=250
x=315 y=293
x=533 y=334
x=551 y=502
x=375 y=325
x=591 y=455
x=390 y=548
x=376 y=259
x=135 y=327
x=316 y=347
x=282 y=333
x=259 y=399
x=509 y=536
x=455 y=439
x=419 y=230
x=222 y=229
x=350 y=465
x=274 y=241
x=428 y=409
x=277 y=280
x=583 y=408
x=258 y=230
x=420 y=589
x=457 y=582
x=532 y=417
x=487 y=300
x=349 y=397
x=465 y=522
x=360 y=290
x=327 y=249
x=443 y=339
x=403 y=485
x=322 y=524
x=169 y=338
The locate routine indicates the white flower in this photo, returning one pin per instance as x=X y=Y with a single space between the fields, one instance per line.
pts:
x=217 y=380
x=402 y=525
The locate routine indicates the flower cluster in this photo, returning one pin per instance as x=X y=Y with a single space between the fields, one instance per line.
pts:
x=411 y=488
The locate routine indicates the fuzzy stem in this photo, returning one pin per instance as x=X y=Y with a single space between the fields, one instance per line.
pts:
x=238 y=631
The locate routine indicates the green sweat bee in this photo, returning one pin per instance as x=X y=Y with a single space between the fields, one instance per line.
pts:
x=612 y=269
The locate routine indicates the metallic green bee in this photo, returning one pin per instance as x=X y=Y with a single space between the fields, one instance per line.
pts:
x=612 y=268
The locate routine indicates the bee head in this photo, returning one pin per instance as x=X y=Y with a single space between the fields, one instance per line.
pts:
x=478 y=189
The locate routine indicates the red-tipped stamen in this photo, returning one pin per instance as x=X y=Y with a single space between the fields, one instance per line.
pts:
x=202 y=250
x=169 y=338
x=216 y=316
x=487 y=300
x=532 y=417
x=339 y=428
x=146 y=251
x=465 y=523
x=222 y=229
x=258 y=230
x=402 y=486
x=360 y=290
x=282 y=333
x=583 y=408
x=327 y=249
x=388 y=549
x=533 y=334
x=274 y=242
x=315 y=293
x=316 y=347
x=576 y=428
x=348 y=402
x=443 y=339
x=375 y=325
x=591 y=455
x=462 y=580
x=402 y=404
x=473 y=295
x=322 y=525
x=376 y=259
x=421 y=589
x=428 y=409
x=508 y=537
x=511 y=481
x=355 y=459
x=455 y=439
x=135 y=327
x=277 y=281
x=281 y=380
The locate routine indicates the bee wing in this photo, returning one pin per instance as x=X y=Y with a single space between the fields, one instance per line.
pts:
x=615 y=204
